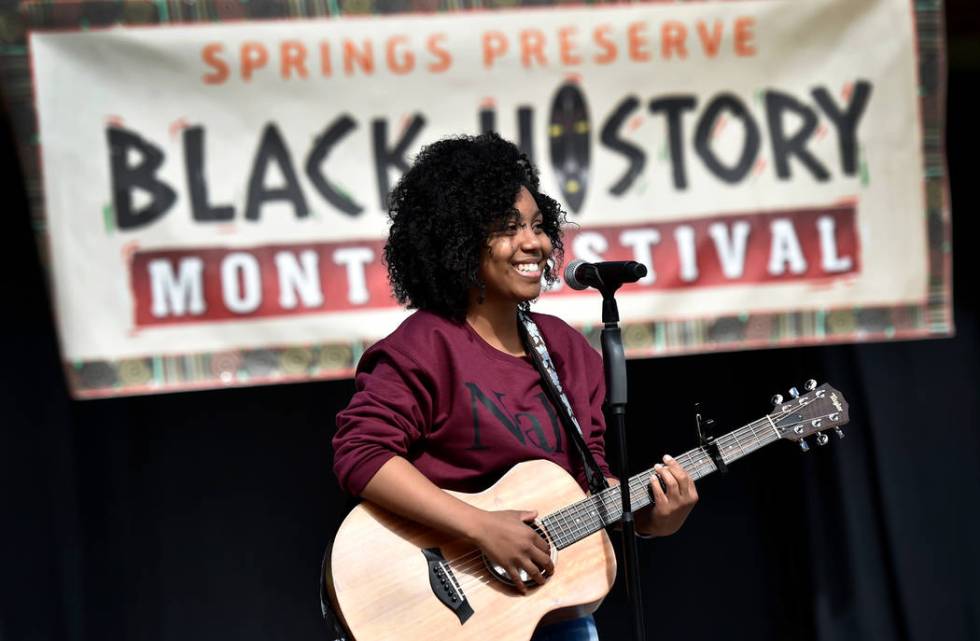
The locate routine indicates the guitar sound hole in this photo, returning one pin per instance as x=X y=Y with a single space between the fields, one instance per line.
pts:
x=500 y=573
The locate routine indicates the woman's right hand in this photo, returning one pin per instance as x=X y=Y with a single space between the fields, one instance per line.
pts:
x=507 y=539
x=504 y=536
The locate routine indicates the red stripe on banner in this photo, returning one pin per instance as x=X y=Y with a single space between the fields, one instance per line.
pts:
x=813 y=244
x=214 y=284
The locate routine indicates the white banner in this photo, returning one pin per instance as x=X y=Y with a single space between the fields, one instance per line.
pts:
x=220 y=187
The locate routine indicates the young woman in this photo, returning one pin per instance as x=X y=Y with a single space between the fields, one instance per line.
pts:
x=450 y=400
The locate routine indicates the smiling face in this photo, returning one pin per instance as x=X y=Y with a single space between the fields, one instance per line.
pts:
x=514 y=262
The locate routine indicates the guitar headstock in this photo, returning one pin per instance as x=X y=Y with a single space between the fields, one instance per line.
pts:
x=814 y=412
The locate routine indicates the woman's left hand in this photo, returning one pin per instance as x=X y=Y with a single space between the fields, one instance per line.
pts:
x=670 y=508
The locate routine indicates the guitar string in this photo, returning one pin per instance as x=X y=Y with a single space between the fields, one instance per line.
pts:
x=698 y=468
x=574 y=531
x=569 y=531
x=475 y=566
x=696 y=462
x=565 y=528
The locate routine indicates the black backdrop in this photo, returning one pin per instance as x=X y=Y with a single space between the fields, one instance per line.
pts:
x=203 y=515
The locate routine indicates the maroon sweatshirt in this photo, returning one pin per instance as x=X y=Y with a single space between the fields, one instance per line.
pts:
x=437 y=394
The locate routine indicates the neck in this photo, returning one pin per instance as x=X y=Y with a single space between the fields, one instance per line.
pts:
x=578 y=520
x=496 y=324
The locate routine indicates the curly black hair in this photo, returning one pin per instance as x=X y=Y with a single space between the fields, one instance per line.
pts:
x=443 y=210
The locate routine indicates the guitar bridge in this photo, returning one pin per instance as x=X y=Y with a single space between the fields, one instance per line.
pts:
x=445 y=585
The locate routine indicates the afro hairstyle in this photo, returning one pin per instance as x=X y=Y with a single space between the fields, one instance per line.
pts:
x=458 y=191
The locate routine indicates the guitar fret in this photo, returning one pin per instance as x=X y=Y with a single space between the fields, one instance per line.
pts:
x=589 y=517
x=760 y=433
x=728 y=448
x=580 y=512
x=761 y=430
x=735 y=437
x=755 y=438
x=595 y=522
x=585 y=517
x=570 y=519
x=550 y=528
x=561 y=534
x=772 y=425
x=569 y=532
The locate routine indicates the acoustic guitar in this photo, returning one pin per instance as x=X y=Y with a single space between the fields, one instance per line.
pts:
x=390 y=578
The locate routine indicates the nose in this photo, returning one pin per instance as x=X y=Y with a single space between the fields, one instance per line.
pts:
x=529 y=239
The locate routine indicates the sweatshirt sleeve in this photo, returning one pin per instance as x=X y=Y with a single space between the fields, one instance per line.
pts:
x=391 y=409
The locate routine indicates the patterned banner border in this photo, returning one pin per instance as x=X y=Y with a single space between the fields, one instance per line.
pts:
x=289 y=364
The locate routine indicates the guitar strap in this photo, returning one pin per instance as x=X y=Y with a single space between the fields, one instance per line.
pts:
x=335 y=629
x=535 y=347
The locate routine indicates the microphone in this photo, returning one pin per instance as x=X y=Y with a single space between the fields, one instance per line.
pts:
x=608 y=274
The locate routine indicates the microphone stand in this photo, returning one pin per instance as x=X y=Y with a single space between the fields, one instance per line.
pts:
x=614 y=363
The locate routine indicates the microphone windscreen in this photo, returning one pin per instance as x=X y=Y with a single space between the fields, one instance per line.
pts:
x=570 y=278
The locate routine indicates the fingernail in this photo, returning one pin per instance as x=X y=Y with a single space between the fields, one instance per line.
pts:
x=657 y=466
x=668 y=458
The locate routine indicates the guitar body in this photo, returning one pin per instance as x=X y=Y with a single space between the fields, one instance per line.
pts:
x=381 y=578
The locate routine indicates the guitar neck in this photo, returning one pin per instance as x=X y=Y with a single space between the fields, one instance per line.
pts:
x=578 y=520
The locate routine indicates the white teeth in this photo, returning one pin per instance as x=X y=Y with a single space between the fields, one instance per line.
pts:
x=527 y=268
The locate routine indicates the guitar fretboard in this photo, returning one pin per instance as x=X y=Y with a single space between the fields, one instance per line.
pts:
x=578 y=520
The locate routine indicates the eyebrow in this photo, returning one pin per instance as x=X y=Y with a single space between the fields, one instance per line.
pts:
x=517 y=215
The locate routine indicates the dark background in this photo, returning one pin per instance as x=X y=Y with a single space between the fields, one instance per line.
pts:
x=203 y=515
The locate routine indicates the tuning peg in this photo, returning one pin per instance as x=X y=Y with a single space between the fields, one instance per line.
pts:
x=839 y=432
x=804 y=446
x=777 y=399
x=822 y=438
x=810 y=385
x=795 y=393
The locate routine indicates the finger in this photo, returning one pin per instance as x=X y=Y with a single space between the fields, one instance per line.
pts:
x=528 y=515
x=673 y=493
x=659 y=498
x=515 y=575
x=684 y=480
x=542 y=561
x=540 y=544
x=534 y=572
